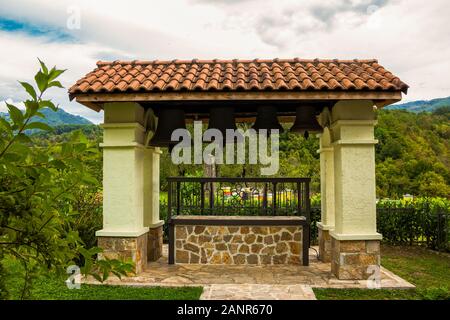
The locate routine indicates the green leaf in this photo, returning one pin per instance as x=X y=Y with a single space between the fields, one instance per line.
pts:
x=43 y=66
x=29 y=88
x=40 y=115
x=23 y=138
x=41 y=81
x=5 y=124
x=15 y=114
x=38 y=125
x=95 y=250
x=55 y=73
x=32 y=107
x=97 y=277
x=12 y=157
x=89 y=179
x=58 y=164
x=48 y=104
x=66 y=149
x=55 y=84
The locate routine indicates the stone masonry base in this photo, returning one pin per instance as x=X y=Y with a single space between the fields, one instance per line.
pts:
x=243 y=245
x=125 y=248
x=355 y=259
x=155 y=242
x=324 y=245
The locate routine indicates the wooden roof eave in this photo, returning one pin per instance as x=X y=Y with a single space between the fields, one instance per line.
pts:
x=95 y=100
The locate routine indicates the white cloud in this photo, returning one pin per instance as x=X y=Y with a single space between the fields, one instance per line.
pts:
x=409 y=37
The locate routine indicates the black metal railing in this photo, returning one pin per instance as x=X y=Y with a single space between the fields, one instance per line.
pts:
x=238 y=196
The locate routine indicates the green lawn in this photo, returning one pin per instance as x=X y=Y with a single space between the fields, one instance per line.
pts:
x=427 y=270
x=54 y=288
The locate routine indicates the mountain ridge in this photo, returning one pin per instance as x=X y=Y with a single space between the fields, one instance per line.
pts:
x=56 y=118
x=421 y=105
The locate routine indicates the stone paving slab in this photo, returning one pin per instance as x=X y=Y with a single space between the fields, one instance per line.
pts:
x=293 y=279
x=257 y=292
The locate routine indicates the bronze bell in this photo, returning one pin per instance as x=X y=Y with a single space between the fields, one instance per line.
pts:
x=222 y=118
x=169 y=119
x=267 y=119
x=306 y=121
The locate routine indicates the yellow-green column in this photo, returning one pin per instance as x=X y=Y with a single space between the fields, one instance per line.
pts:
x=327 y=195
x=151 y=203
x=354 y=240
x=124 y=234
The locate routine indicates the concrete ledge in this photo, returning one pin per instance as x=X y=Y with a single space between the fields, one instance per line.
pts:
x=323 y=150
x=355 y=142
x=321 y=226
x=341 y=237
x=156 y=224
x=119 y=233
x=354 y=123
x=121 y=145
x=123 y=125
x=239 y=220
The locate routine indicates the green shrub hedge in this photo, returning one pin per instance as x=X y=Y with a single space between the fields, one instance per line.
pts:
x=424 y=221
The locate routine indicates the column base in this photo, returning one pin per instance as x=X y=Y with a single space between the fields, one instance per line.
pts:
x=155 y=243
x=125 y=248
x=324 y=244
x=355 y=259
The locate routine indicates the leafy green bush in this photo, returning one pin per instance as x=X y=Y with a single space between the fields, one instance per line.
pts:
x=38 y=193
x=424 y=221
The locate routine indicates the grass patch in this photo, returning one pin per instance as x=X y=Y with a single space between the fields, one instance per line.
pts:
x=427 y=270
x=54 y=288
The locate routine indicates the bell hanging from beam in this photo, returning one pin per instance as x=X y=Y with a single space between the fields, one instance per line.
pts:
x=306 y=121
x=169 y=119
x=267 y=119
x=222 y=118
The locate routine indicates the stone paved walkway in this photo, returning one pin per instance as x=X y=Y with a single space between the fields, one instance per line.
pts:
x=251 y=282
x=257 y=292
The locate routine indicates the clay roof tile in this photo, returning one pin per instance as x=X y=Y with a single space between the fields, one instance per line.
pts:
x=256 y=74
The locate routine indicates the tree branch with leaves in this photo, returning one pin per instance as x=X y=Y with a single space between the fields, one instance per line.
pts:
x=37 y=186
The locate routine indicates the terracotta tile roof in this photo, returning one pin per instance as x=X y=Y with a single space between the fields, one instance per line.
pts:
x=238 y=75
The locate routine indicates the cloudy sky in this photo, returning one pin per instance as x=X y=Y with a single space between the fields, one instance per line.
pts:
x=409 y=37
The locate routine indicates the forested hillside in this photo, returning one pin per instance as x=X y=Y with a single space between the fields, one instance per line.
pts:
x=413 y=154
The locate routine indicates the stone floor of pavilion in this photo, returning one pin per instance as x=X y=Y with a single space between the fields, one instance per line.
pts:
x=286 y=282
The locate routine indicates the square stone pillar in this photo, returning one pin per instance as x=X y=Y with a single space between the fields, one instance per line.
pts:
x=327 y=195
x=124 y=235
x=355 y=242
x=151 y=203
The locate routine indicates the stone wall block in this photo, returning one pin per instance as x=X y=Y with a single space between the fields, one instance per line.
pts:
x=125 y=248
x=352 y=259
x=253 y=245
